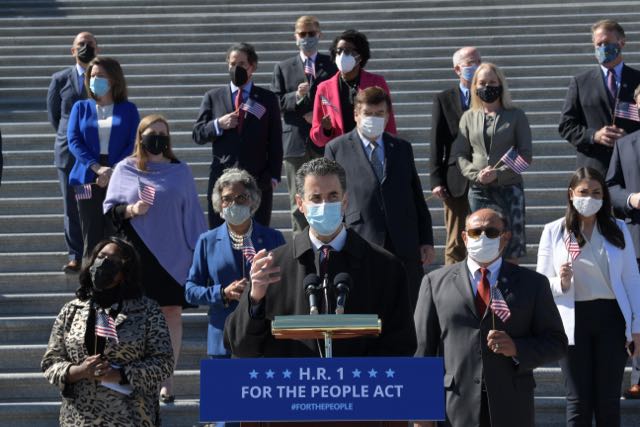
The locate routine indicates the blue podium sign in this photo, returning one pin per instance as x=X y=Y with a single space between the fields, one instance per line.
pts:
x=337 y=389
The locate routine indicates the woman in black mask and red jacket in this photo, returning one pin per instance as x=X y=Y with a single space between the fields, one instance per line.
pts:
x=109 y=348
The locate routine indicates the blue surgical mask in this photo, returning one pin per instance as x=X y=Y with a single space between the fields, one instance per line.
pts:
x=607 y=53
x=308 y=44
x=236 y=214
x=99 y=86
x=468 y=72
x=324 y=218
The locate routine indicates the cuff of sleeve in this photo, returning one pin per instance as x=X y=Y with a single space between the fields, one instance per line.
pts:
x=216 y=128
x=629 y=201
x=256 y=311
x=217 y=294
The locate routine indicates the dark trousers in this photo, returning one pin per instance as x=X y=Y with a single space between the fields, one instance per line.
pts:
x=594 y=366
x=291 y=166
x=94 y=224
x=72 y=229
x=413 y=269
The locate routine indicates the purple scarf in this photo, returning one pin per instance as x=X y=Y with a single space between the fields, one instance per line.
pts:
x=172 y=225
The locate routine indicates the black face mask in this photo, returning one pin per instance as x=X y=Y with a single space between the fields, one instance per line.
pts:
x=489 y=93
x=85 y=53
x=238 y=75
x=103 y=273
x=155 y=144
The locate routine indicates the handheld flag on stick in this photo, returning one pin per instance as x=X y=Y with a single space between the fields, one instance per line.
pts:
x=83 y=192
x=146 y=193
x=627 y=110
x=573 y=248
x=328 y=103
x=498 y=305
x=254 y=108
x=514 y=161
x=105 y=325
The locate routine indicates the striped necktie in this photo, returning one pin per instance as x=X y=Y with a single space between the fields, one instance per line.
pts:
x=375 y=161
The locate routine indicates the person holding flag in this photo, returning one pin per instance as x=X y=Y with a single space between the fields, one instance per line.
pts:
x=153 y=201
x=493 y=148
x=223 y=256
x=589 y=259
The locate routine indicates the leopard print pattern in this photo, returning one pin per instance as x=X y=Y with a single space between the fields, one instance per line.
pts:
x=144 y=351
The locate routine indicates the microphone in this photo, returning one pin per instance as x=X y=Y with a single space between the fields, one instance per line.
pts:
x=311 y=285
x=342 y=285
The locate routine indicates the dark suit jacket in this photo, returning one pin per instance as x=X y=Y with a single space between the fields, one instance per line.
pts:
x=623 y=178
x=1 y=158
x=379 y=287
x=63 y=92
x=587 y=109
x=287 y=75
x=258 y=149
x=445 y=120
x=395 y=206
x=447 y=325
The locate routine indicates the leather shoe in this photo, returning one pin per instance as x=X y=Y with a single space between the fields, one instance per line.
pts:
x=632 y=392
x=167 y=398
x=72 y=266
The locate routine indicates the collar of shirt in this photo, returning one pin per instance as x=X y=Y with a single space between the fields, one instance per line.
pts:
x=79 y=69
x=464 y=90
x=366 y=143
x=246 y=89
x=337 y=244
x=475 y=275
x=617 y=69
x=312 y=57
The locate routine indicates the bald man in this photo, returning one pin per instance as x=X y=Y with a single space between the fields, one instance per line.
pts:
x=488 y=357
x=67 y=87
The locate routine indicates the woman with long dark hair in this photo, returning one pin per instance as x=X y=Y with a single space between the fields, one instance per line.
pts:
x=591 y=265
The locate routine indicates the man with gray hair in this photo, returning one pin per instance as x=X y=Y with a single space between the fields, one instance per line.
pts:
x=378 y=283
x=447 y=183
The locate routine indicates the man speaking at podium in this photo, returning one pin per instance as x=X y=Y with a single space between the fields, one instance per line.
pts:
x=326 y=250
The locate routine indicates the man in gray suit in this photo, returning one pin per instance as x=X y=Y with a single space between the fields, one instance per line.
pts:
x=294 y=82
x=489 y=350
x=67 y=87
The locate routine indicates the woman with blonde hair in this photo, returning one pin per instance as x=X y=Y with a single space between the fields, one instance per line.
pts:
x=153 y=201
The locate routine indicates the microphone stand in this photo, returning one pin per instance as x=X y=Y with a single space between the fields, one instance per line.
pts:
x=328 y=338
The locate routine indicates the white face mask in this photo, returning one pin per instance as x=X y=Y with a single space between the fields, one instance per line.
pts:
x=345 y=63
x=483 y=249
x=371 y=126
x=587 y=206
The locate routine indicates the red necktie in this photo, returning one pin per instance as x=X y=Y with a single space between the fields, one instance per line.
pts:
x=611 y=85
x=241 y=113
x=484 y=292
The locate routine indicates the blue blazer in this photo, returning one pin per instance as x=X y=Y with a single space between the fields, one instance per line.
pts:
x=84 y=142
x=214 y=267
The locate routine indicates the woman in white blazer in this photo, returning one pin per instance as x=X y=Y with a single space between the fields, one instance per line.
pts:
x=589 y=259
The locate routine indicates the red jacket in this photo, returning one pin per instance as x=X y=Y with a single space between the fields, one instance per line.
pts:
x=329 y=90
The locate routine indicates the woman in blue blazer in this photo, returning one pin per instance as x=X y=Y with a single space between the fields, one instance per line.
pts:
x=590 y=261
x=101 y=132
x=220 y=268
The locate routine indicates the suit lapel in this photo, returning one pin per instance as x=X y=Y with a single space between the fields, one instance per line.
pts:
x=297 y=68
x=226 y=251
x=505 y=279
x=390 y=157
x=463 y=285
x=227 y=100
x=359 y=156
x=455 y=100
x=626 y=92
x=597 y=81
x=73 y=76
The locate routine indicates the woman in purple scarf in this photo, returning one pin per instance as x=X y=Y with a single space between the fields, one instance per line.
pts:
x=153 y=201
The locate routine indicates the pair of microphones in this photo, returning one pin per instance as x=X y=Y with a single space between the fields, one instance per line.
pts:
x=313 y=285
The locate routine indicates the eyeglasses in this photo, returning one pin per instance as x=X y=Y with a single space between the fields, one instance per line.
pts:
x=240 y=199
x=346 y=51
x=490 y=232
x=304 y=34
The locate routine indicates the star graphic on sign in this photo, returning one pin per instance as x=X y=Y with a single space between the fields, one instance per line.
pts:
x=270 y=374
x=253 y=374
x=372 y=373
x=356 y=373
x=286 y=373
x=390 y=373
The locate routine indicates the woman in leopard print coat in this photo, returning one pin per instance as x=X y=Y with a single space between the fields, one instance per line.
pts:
x=86 y=362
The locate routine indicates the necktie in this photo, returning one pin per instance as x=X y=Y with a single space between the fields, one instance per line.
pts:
x=375 y=161
x=483 y=295
x=240 y=112
x=467 y=100
x=611 y=85
x=309 y=71
x=324 y=262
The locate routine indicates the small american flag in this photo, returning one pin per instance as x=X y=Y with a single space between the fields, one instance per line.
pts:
x=105 y=325
x=572 y=245
x=627 y=110
x=247 y=249
x=309 y=69
x=254 y=108
x=328 y=103
x=514 y=161
x=146 y=193
x=499 y=305
x=83 y=192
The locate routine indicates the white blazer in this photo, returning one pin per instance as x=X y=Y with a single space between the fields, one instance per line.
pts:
x=623 y=274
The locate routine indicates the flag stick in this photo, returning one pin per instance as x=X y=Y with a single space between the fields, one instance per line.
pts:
x=613 y=114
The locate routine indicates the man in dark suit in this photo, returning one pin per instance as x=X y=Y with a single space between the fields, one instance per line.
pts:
x=386 y=203
x=588 y=121
x=295 y=81
x=242 y=123
x=67 y=87
x=623 y=180
x=489 y=353
x=447 y=183
x=379 y=284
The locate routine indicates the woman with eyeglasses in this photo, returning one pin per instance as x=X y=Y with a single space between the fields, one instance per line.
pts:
x=589 y=259
x=335 y=98
x=488 y=130
x=152 y=198
x=222 y=259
